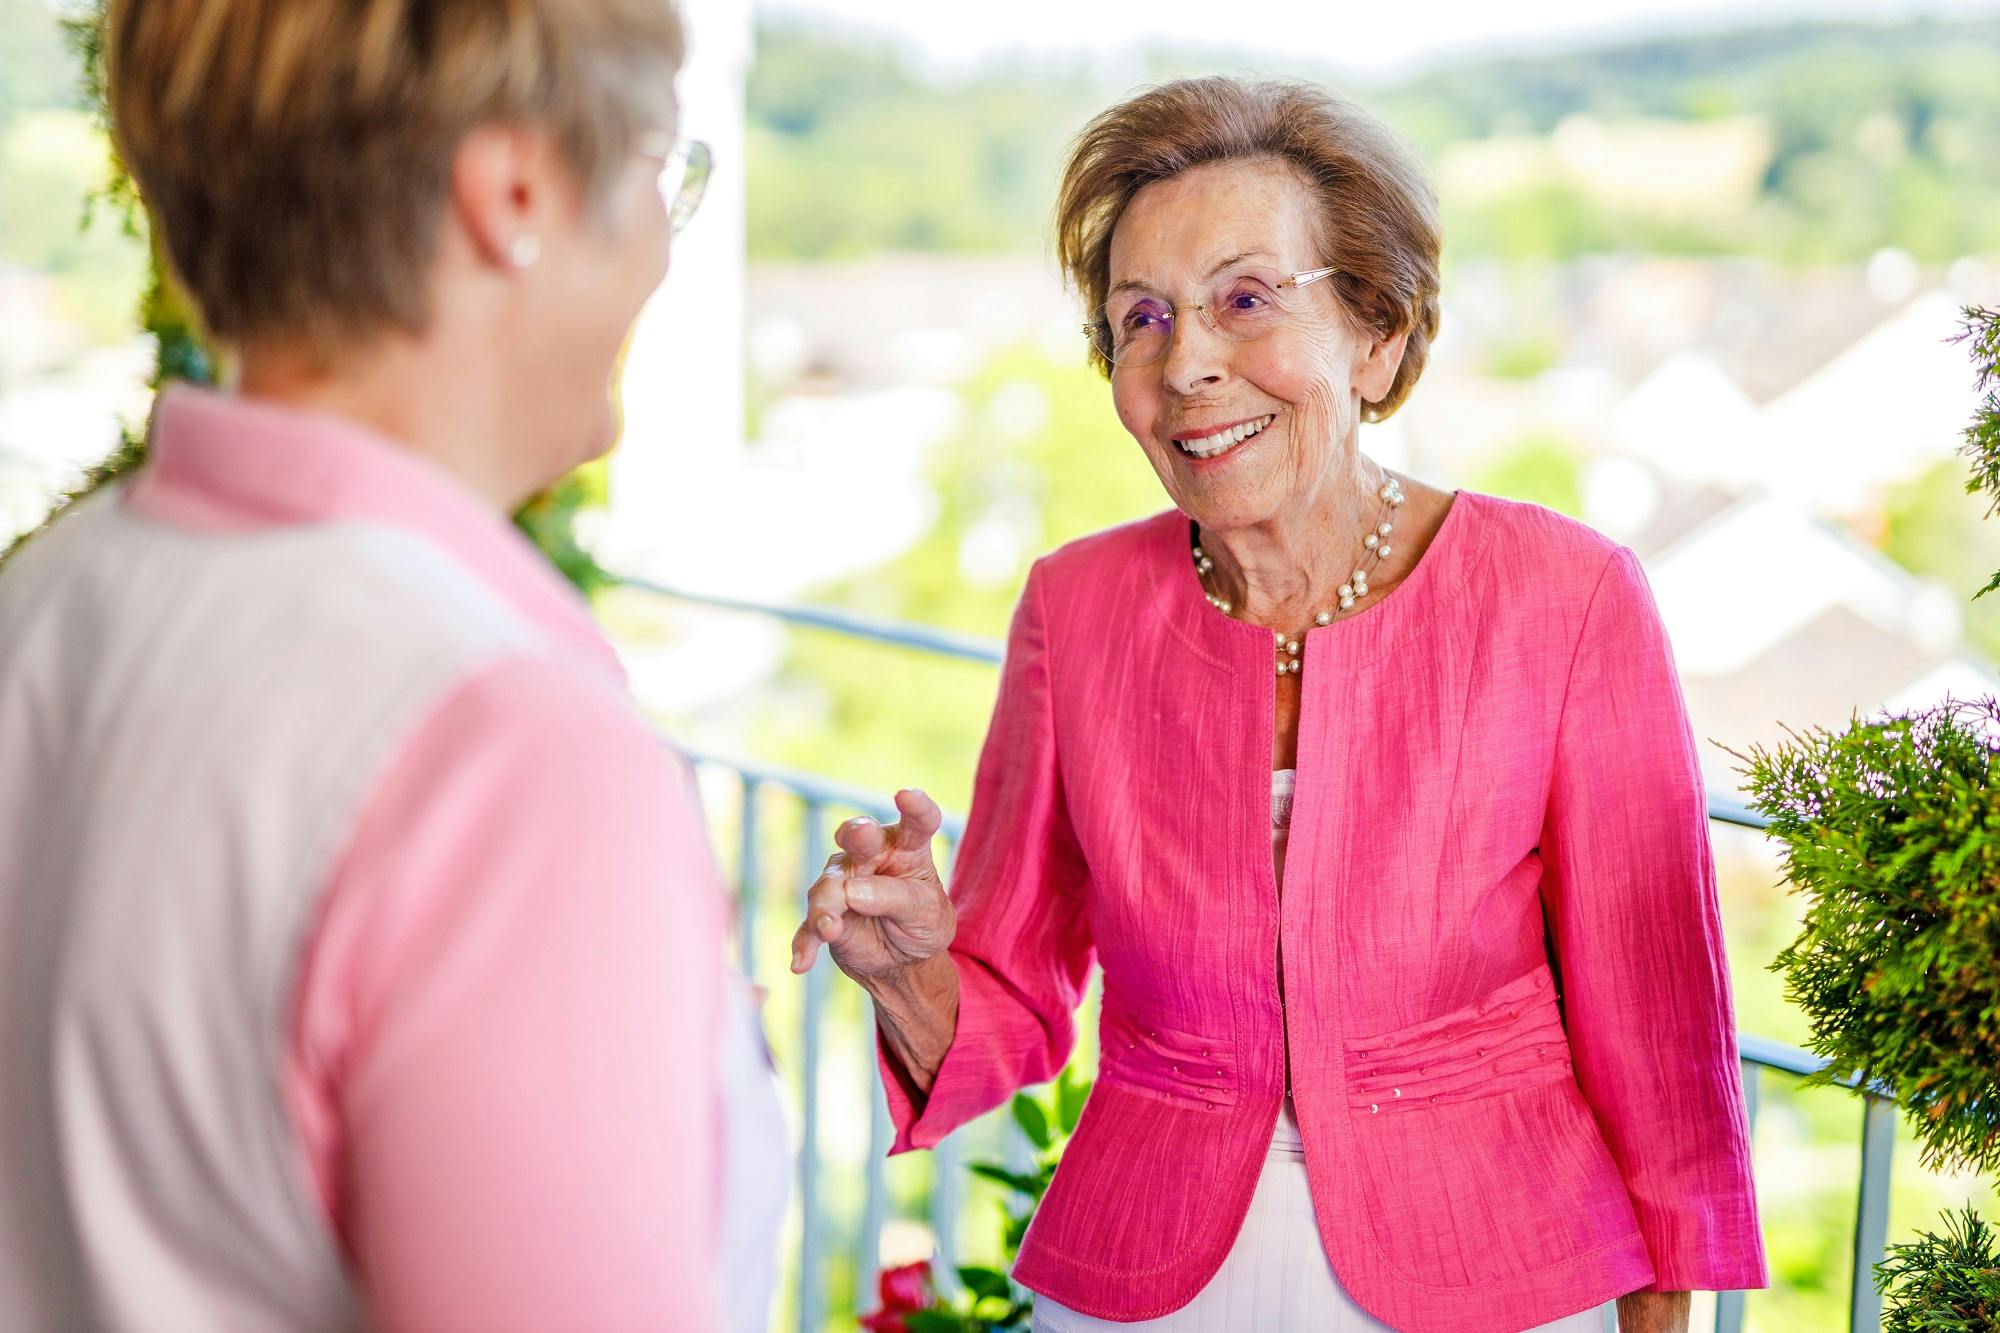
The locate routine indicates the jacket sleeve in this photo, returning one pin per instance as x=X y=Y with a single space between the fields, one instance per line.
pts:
x=1023 y=949
x=1629 y=892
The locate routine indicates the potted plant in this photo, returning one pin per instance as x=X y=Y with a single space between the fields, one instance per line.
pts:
x=1891 y=830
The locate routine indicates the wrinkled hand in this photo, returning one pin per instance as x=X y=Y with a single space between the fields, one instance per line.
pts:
x=880 y=905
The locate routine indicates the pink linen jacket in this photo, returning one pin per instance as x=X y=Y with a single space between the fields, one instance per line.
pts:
x=1504 y=1009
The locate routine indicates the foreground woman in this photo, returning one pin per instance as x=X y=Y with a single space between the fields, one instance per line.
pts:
x=1375 y=802
x=360 y=953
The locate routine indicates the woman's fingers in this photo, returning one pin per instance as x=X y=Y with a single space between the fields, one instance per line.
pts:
x=863 y=841
x=883 y=895
x=826 y=904
x=920 y=822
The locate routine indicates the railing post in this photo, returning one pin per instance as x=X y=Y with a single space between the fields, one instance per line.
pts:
x=947 y=1197
x=1729 y=1304
x=1871 y=1217
x=747 y=881
x=812 y=1238
x=875 y=1193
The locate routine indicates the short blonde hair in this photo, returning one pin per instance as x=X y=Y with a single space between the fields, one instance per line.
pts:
x=1378 y=219
x=295 y=155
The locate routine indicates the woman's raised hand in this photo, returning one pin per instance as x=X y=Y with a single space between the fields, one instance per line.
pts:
x=880 y=905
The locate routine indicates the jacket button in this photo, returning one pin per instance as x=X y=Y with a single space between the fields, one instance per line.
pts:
x=1374 y=1110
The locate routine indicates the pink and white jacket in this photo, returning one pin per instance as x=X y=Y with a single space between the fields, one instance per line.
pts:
x=360 y=949
x=1505 y=1013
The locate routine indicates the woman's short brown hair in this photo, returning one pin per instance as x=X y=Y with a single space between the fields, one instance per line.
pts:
x=295 y=154
x=1377 y=213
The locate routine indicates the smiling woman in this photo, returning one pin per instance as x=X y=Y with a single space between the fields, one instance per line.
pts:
x=1414 y=1010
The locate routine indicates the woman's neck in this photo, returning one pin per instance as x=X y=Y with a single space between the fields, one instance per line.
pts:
x=398 y=391
x=1282 y=572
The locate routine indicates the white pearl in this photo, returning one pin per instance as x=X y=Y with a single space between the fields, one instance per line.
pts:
x=1360 y=576
x=1370 y=540
x=1382 y=551
x=1197 y=553
x=1386 y=529
x=1295 y=668
x=1293 y=647
x=1396 y=500
x=1226 y=607
x=1346 y=590
x=1346 y=603
x=1323 y=618
x=1281 y=668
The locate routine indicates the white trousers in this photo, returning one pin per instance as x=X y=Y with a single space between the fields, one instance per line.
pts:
x=1276 y=1278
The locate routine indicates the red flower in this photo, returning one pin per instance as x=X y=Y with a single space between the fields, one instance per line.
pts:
x=902 y=1291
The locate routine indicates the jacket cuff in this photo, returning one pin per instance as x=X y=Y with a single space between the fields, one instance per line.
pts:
x=965 y=1087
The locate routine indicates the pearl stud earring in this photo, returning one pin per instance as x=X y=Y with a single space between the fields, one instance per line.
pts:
x=525 y=250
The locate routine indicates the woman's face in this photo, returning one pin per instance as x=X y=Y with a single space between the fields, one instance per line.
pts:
x=1178 y=241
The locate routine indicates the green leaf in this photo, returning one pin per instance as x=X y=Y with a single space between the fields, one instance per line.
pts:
x=1034 y=1122
x=1031 y=1186
x=1071 y=1093
x=986 y=1282
x=933 y=1321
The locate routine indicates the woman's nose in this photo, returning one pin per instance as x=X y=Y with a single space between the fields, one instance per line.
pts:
x=1197 y=356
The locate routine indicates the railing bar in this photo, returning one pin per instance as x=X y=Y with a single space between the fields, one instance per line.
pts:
x=947 y=1197
x=1871 y=1215
x=1729 y=1305
x=812 y=1239
x=812 y=787
x=875 y=1195
x=947 y=1185
x=1730 y=809
x=747 y=879
x=900 y=635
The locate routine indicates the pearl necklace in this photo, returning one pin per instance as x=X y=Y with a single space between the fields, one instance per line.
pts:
x=1374 y=550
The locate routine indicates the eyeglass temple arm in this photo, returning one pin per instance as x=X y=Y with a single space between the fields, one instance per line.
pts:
x=1312 y=275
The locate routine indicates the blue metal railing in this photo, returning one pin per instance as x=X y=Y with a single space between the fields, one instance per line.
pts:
x=820 y=798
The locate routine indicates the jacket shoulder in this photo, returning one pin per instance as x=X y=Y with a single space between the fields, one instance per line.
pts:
x=1531 y=541
x=1111 y=555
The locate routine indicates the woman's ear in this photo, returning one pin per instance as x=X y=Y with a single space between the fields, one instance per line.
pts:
x=500 y=188
x=1375 y=372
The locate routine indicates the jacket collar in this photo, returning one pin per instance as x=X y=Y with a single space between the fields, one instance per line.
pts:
x=224 y=463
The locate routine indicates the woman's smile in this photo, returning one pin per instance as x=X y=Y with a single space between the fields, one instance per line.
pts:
x=1206 y=446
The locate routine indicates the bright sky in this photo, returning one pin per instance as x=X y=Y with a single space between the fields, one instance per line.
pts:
x=1377 y=36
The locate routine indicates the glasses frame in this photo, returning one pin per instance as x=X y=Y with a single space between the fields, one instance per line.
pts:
x=1098 y=330
x=685 y=166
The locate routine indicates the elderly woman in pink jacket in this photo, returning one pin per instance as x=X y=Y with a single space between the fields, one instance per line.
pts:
x=1376 y=803
x=361 y=956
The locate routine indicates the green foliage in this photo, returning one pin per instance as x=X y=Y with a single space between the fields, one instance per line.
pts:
x=1879 y=132
x=1892 y=831
x=1542 y=469
x=991 y=1300
x=1982 y=437
x=851 y=152
x=1040 y=459
x=1943 y=1284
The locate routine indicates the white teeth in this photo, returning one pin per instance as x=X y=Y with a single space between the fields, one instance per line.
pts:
x=1211 y=445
